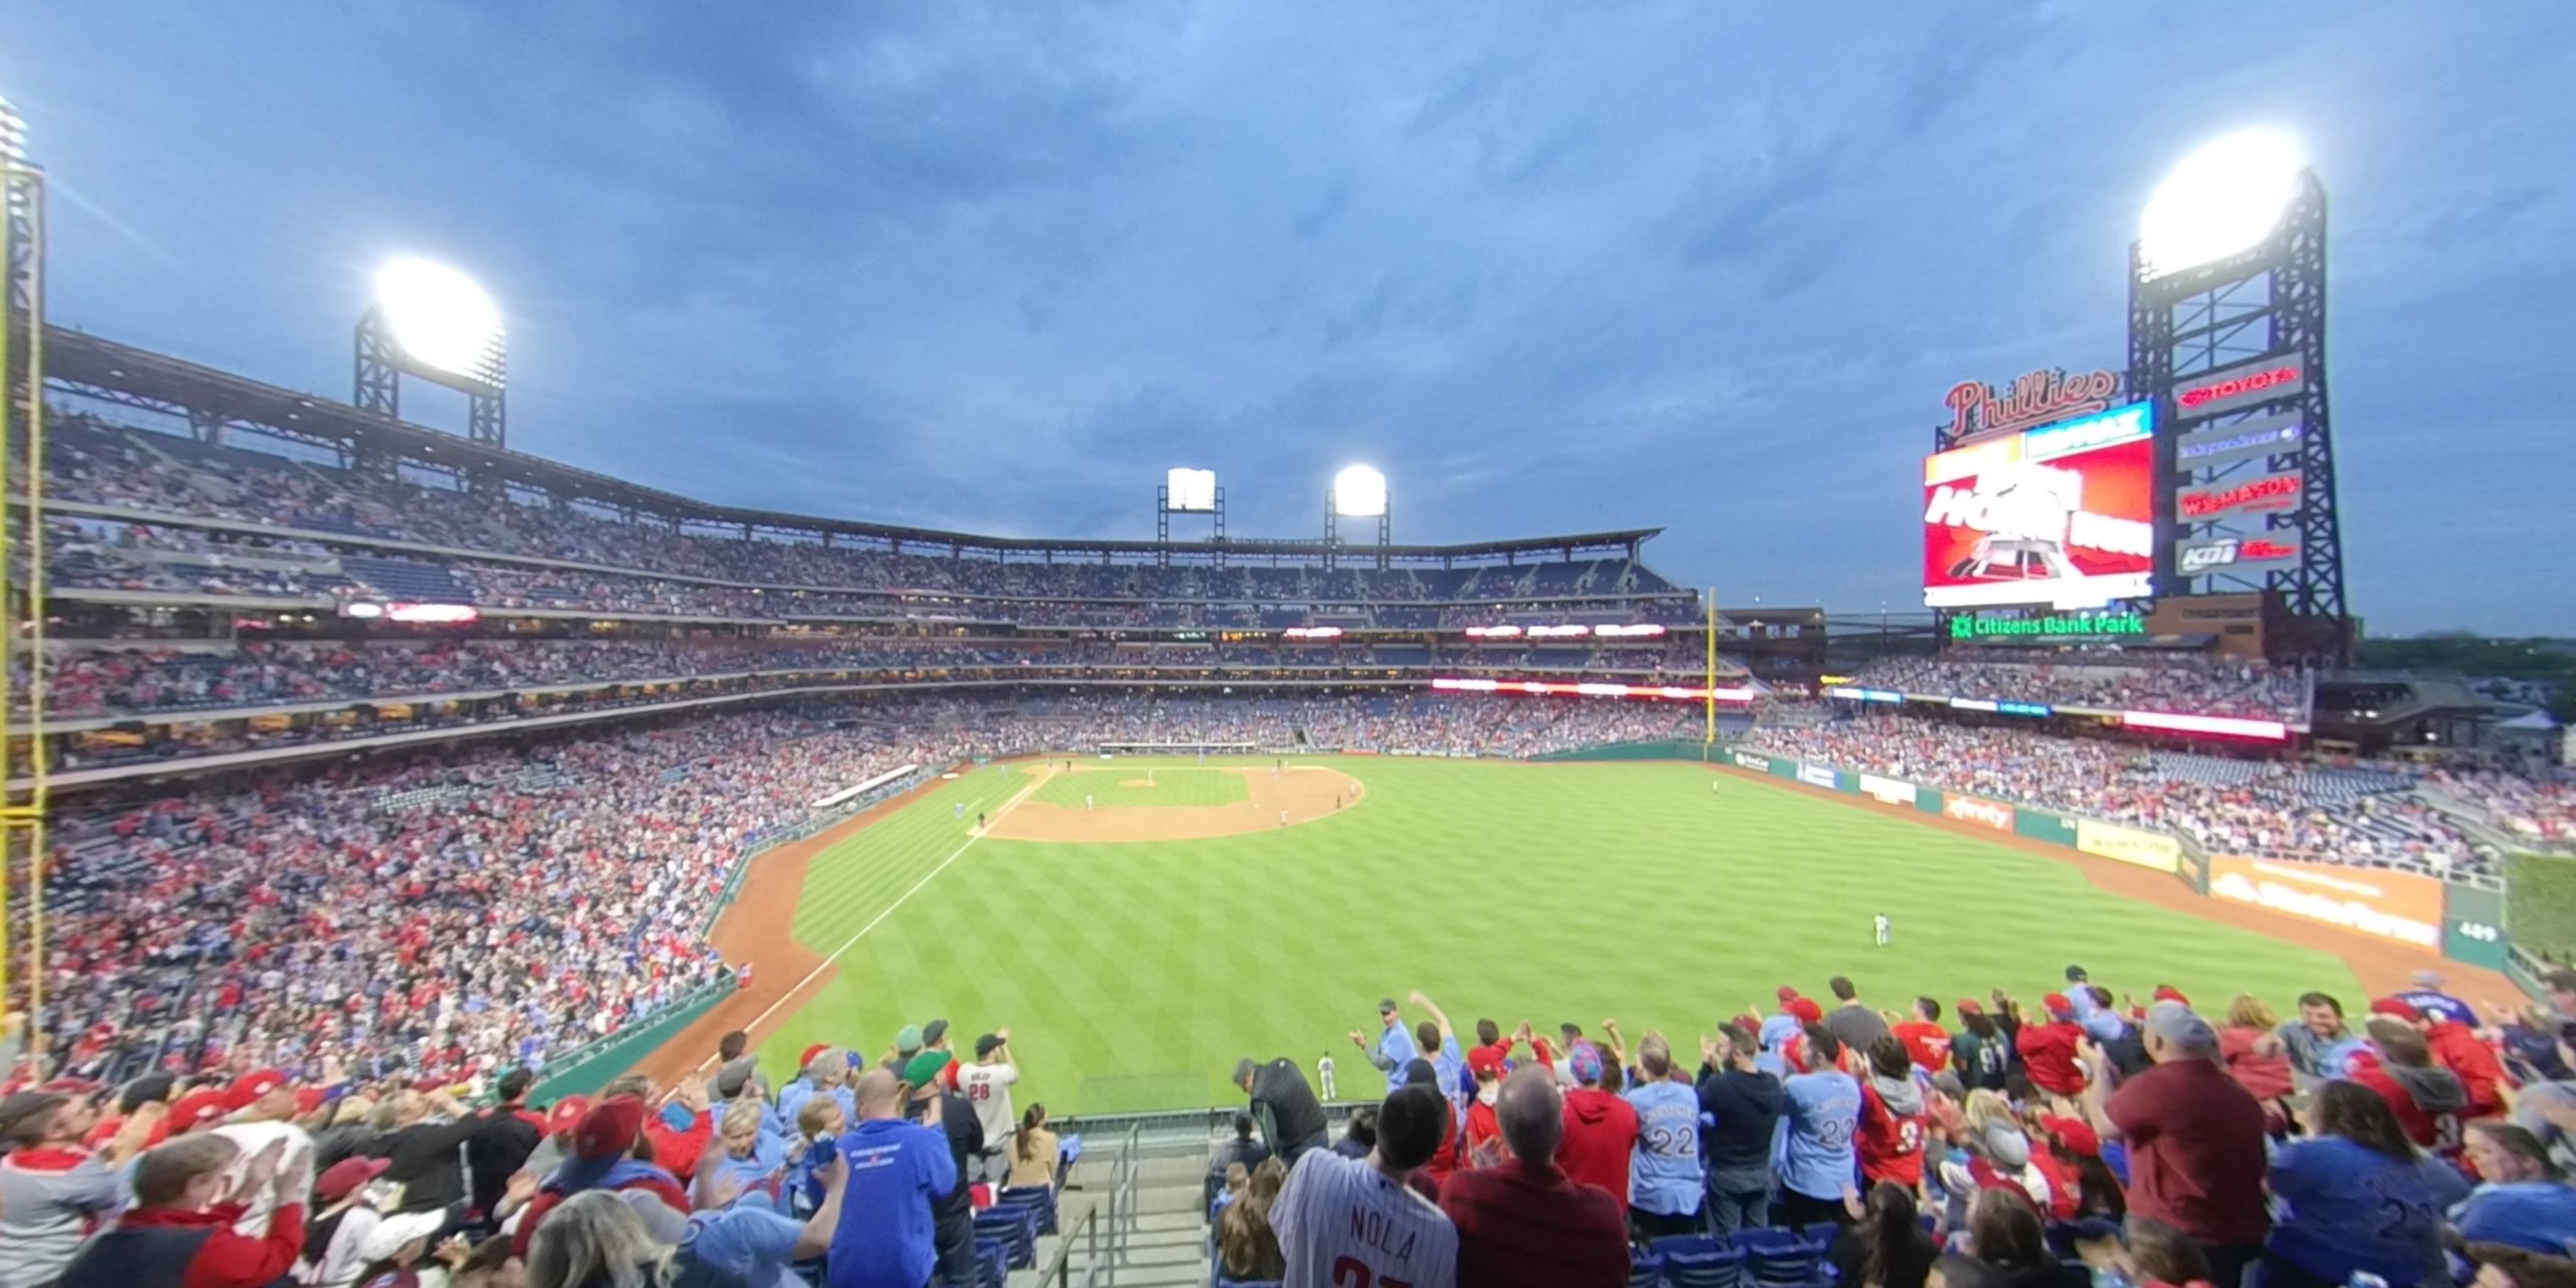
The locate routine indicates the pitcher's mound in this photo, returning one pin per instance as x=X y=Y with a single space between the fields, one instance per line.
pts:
x=1305 y=792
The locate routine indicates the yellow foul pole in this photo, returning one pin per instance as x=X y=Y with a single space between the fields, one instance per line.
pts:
x=1709 y=739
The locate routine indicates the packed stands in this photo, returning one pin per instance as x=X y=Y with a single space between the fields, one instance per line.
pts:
x=2262 y=808
x=2104 y=680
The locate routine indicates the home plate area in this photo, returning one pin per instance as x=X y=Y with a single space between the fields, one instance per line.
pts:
x=1126 y=803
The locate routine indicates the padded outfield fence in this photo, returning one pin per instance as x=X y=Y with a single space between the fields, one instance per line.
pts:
x=2467 y=920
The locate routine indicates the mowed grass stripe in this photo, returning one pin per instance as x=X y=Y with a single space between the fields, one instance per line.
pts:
x=1134 y=975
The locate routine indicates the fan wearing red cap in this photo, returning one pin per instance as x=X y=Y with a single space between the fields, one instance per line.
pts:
x=2454 y=1046
x=263 y=1112
x=1481 y=1145
x=2048 y=1050
x=1981 y=1053
x=603 y=1158
x=1926 y=1042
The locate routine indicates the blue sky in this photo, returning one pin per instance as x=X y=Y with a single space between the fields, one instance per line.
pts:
x=1552 y=267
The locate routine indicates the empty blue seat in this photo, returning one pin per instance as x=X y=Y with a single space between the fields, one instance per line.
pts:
x=1711 y=1267
x=1646 y=1270
x=1017 y=1229
x=992 y=1264
x=1038 y=1199
x=1782 y=1258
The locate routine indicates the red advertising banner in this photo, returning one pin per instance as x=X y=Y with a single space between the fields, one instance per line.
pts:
x=2063 y=516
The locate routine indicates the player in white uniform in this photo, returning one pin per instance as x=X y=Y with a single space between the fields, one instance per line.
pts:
x=1345 y=1222
x=986 y=1084
x=1879 y=924
x=1324 y=1074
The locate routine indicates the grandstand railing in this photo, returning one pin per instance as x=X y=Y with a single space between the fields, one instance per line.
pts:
x=1104 y=1233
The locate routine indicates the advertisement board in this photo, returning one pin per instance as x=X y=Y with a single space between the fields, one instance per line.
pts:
x=2128 y=845
x=1969 y=809
x=2237 y=388
x=2217 y=554
x=2473 y=925
x=1816 y=776
x=2062 y=516
x=2040 y=825
x=2269 y=494
x=2242 y=440
x=1748 y=760
x=2399 y=906
x=1894 y=791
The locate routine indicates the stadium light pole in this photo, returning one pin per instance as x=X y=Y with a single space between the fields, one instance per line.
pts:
x=2224 y=197
x=22 y=302
x=432 y=321
x=1359 y=492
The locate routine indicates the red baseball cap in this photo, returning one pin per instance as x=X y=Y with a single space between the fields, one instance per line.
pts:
x=2398 y=1007
x=1968 y=1006
x=2168 y=993
x=609 y=1129
x=811 y=1052
x=1805 y=1010
x=341 y=1178
x=196 y=1109
x=2056 y=1004
x=2074 y=1134
x=566 y=1114
x=251 y=1086
x=1484 y=1061
x=1785 y=993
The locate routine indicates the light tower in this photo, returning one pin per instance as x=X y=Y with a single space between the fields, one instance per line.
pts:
x=2227 y=332
x=1187 y=491
x=431 y=321
x=1359 y=492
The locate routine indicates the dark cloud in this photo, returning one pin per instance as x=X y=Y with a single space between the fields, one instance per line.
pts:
x=996 y=265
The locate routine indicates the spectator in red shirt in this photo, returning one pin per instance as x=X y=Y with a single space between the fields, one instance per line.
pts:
x=2048 y=1050
x=1482 y=1144
x=1600 y=1129
x=2196 y=1146
x=1926 y=1042
x=2256 y=1058
x=184 y=1217
x=609 y=1152
x=1526 y=1223
x=1892 y=1117
x=2455 y=1047
x=2427 y=1098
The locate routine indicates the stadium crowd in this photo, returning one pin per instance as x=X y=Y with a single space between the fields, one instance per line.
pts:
x=94 y=462
x=2081 y=1137
x=547 y=890
x=142 y=677
x=2268 y=809
x=2102 y=679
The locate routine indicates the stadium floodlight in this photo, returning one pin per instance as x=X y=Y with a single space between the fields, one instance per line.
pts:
x=1192 y=490
x=441 y=320
x=2225 y=197
x=1359 y=493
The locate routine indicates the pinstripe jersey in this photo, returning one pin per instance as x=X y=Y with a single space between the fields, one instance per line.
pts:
x=1343 y=1225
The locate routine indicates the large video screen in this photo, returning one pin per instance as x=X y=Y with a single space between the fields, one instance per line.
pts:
x=2063 y=515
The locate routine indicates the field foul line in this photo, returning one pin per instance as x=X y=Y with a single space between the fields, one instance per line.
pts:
x=853 y=941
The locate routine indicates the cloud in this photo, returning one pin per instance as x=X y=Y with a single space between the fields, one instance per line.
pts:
x=997 y=265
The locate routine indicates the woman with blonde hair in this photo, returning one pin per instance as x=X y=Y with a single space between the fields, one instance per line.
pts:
x=595 y=1240
x=2256 y=1058
x=1998 y=1155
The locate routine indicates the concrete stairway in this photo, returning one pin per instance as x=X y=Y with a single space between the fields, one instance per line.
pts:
x=1166 y=1230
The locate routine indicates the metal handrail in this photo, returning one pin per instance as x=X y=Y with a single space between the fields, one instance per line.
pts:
x=1103 y=1234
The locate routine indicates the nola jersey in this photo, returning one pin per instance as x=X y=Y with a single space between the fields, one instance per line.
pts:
x=1342 y=1225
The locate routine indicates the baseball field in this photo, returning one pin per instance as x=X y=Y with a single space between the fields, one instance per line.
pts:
x=1141 y=924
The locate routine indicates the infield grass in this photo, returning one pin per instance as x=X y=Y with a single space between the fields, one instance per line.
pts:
x=1124 y=786
x=1133 y=976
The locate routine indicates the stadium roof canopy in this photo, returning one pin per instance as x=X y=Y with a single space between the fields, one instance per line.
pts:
x=90 y=366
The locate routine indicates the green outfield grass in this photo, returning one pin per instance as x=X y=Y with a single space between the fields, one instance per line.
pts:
x=1108 y=785
x=1134 y=975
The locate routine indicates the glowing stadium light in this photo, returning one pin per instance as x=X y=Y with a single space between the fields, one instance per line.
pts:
x=1359 y=493
x=440 y=319
x=1193 y=490
x=2225 y=197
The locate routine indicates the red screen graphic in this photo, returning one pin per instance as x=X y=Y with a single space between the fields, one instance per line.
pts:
x=2012 y=521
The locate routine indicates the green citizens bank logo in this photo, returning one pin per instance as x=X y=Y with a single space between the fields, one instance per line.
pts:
x=1983 y=626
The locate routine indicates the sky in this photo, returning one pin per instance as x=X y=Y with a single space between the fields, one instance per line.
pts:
x=1553 y=268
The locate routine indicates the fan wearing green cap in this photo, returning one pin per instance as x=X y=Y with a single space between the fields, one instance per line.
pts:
x=907 y=1044
x=928 y=1101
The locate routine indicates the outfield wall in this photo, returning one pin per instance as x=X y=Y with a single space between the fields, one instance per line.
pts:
x=2463 y=921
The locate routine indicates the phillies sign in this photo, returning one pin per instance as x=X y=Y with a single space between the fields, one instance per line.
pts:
x=2032 y=399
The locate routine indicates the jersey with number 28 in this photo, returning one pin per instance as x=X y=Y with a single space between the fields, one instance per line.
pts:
x=1342 y=1225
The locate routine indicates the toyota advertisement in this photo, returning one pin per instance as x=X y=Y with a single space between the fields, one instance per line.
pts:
x=2062 y=515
